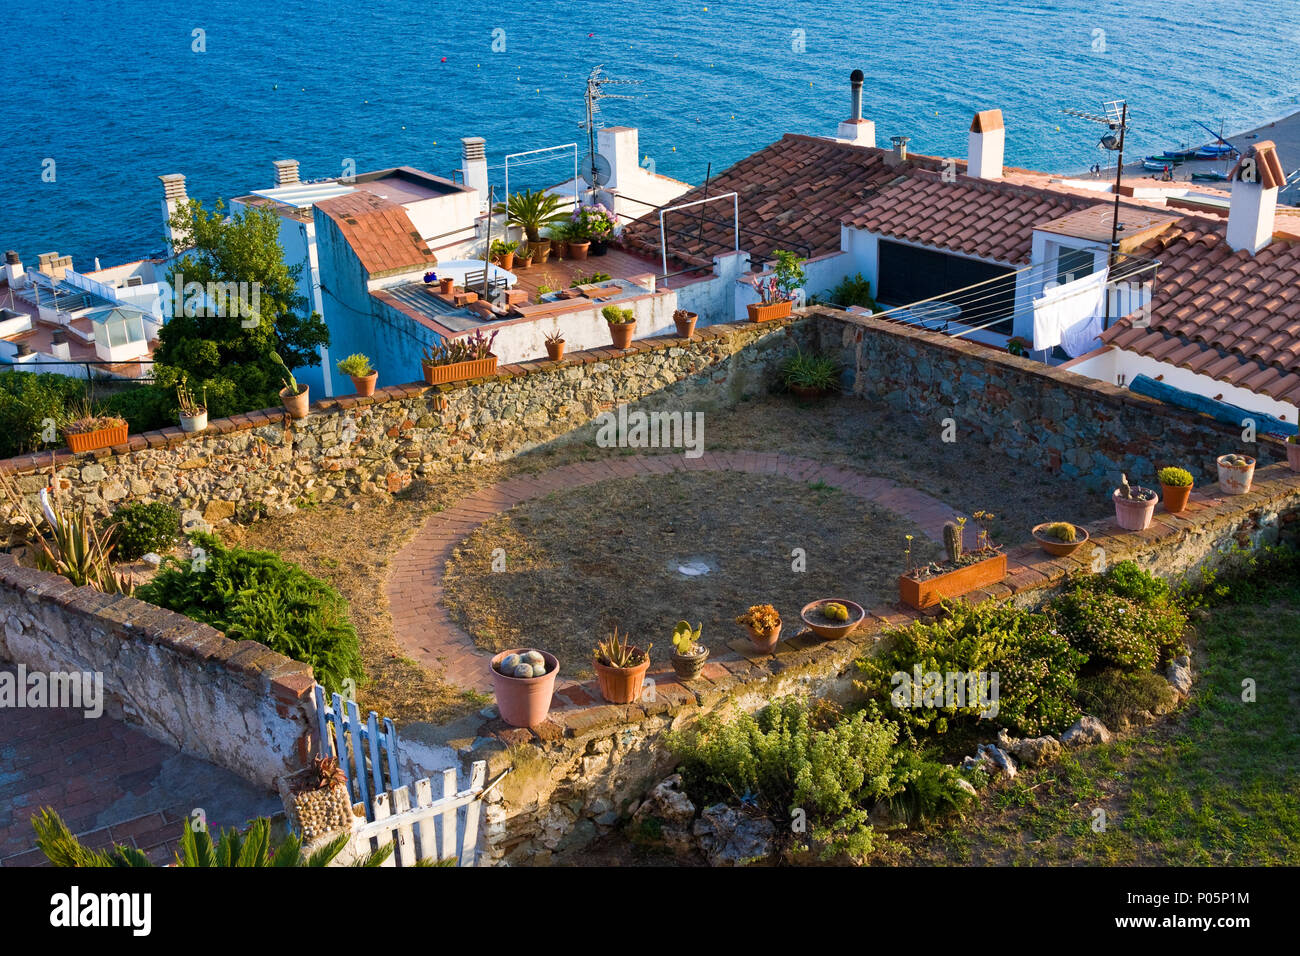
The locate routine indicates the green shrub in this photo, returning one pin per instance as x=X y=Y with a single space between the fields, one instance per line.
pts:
x=811 y=371
x=1120 y=631
x=254 y=595
x=1035 y=667
x=1112 y=694
x=779 y=760
x=1174 y=477
x=145 y=407
x=929 y=790
x=143 y=528
x=27 y=401
x=854 y=291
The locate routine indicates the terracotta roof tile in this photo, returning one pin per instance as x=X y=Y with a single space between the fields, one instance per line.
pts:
x=379 y=232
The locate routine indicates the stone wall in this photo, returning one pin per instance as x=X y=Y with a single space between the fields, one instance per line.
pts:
x=574 y=777
x=1035 y=415
x=265 y=461
x=237 y=704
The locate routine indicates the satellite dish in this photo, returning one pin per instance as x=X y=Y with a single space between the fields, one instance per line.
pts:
x=595 y=170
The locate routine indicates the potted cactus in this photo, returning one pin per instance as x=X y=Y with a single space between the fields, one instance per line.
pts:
x=524 y=682
x=1175 y=488
x=1293 y=452
x=295 y=397
x=357 y=367
x=194 y=415
x=689 y=654
x=833 y=618
x=1134 y=505
x=964 y=571
x=1236 y=472
x=685 y=322
x=764 y=626
x=622 y=325
x=317 y=800
x=460 y=358
x=555 y=345
x=1060 y=538
x=620 y=668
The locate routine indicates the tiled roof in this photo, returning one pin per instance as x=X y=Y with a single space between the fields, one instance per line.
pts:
x=1226 y=314
x=792 y=195
x=983 y=218
x=379 y=232
x=1262 y=158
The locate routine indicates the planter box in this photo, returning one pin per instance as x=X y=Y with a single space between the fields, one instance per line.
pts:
x=766 y=313
x=460 y=371
x=928 y=592
x=99 y=438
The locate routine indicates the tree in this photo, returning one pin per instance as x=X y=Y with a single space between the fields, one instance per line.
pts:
x=228 y=344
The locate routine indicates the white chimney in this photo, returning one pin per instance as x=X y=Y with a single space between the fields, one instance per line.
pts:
x=986 y=145
x=1256 y=179
x=59 y=347
x=286 y=172
x=621 y=146
x=855 y=129
x=174 y=197
x=473 y=164
x=13 y=270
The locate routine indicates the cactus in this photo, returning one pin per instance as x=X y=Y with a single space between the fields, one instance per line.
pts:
x=1061 y=531
x=952 y=541
x=685 y=637
x=1125 y=490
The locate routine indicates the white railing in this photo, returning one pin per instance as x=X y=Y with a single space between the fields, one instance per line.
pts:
x=444 y=829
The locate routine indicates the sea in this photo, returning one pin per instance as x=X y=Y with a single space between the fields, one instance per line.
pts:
x=100 y=98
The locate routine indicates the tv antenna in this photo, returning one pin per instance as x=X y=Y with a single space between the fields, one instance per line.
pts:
x=595 y=169
x=1115 y=119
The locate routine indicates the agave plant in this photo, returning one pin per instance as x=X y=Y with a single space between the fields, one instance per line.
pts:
x=530 y=210
x=617 y=651
x=252 y=848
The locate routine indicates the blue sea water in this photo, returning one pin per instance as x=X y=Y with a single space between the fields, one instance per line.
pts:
x=115 y=93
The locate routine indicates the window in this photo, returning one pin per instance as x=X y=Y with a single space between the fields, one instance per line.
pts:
x=909 y=274
x=1074 y=264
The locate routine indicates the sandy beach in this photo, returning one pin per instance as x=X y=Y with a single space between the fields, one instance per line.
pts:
x=1284 y=132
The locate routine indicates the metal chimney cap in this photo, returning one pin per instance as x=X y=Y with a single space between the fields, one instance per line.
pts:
x=11 y=258
x=857 y=76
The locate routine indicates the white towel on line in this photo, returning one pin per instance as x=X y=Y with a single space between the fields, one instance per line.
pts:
x=1066 y=312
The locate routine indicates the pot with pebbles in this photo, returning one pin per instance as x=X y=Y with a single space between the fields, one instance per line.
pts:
x=317 y=800
x=689 y=654
x=524 y=682
x=1236 y=472
x=1134 y=505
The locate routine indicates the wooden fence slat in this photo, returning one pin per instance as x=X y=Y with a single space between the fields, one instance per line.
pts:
x=383 y=834
x=352 y=723
x=341 y=746
x=469 y=840
x=447 y=823
x=426 y=845
x=376 y=768
x=405 y=838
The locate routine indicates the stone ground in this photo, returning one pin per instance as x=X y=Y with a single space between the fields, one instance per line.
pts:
x=111 y=783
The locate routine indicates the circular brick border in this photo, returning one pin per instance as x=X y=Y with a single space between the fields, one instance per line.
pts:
x=423 y=626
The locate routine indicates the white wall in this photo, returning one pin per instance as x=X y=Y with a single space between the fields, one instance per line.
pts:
x=584 y=328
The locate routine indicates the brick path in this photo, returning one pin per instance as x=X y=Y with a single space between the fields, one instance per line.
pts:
x=424 y=627
x=110 y=783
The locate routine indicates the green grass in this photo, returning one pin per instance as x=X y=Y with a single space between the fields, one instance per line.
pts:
x=1218 y=784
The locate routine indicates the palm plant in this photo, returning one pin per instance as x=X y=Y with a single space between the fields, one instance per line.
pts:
x=531 y=209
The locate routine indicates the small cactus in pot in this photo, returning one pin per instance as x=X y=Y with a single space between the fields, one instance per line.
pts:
x=1134 y=505
x=689 y=654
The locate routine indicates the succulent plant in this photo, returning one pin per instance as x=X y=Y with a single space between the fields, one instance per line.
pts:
x=1061 y=531
x=326 y=773
x=686 y=638
x=835 y=611
x=1133 y=492
x=952 y=541
x=1175 y=477
x=760 y=617
x=617 y=651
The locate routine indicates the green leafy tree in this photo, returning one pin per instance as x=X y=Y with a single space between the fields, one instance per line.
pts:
x=233 y=355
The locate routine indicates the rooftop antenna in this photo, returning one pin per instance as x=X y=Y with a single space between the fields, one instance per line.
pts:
x=1115 y=119
x=595 y=167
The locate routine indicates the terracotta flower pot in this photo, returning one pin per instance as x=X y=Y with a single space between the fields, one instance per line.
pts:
x=688 y=667
x=1133 y=515
x=1293 y=455
x=445 y=286
x=538 y=251
x=766 y=313
x=1235 y=479
x=1175 y=497
x=621 y=685
x=826 y=628
x=508 y=262
x=578 y=250
x=365 y=384
x=555 y=350
x=296 y=404
x=1055 y=546
x=621 y=333
x=524 y=701
x=765 y=640
x=686 y=326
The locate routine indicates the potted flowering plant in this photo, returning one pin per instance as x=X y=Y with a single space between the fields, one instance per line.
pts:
x=458 y=359
x=764 y=626
x=622 y=325
x=357 y=367
x=689 y=654
x=924 y=586
x=620 y=668
x=194 y=415
x=1175 y=488
x=1134 y=505
x=776 y=290
x=89 y=428
x=596 y=223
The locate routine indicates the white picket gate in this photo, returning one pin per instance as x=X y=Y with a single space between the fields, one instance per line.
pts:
x=442 y=829
x=358 y=745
